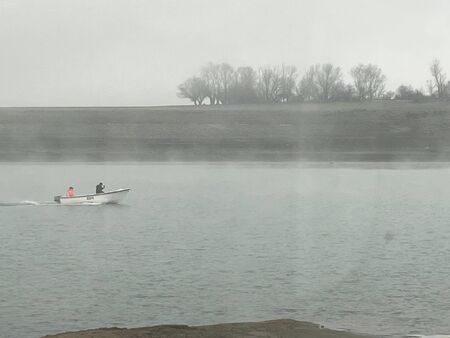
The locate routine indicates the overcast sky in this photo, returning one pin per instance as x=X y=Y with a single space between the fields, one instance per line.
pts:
x=133 y=52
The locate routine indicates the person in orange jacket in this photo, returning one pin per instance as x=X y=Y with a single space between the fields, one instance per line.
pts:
x=69 y=192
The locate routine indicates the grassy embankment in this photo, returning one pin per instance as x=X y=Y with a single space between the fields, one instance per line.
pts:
x=374 y=131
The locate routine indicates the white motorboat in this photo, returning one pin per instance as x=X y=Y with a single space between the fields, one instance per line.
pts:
x=109 y=197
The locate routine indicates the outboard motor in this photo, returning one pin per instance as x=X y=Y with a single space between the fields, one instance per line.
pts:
x=57 y=199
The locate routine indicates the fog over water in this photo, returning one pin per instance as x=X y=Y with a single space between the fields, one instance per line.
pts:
x=364 y=249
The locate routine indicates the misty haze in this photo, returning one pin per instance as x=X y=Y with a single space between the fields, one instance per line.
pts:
x=224 y=169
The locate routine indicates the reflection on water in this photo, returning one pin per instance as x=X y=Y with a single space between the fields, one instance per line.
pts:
x=365 y=250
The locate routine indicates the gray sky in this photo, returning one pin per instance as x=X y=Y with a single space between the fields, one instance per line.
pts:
x=136 y=52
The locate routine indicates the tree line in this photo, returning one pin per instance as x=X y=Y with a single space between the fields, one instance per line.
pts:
x=223 y=84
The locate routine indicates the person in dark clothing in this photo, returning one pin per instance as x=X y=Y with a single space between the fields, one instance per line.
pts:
x=99 y=188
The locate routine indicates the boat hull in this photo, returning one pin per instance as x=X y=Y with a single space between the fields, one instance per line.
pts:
x=110 y=197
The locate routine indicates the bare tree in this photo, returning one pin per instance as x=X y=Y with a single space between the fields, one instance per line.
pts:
x=342 y=92
x=243 y=89
x=368 y=81
x=406 y=92
x=194 y=89
x=439 y=79
x=264 y=83
x=211 y=77
x=430 y=87
x=288 y=74
x=269 y=84
x=307 y=87
x=225 y=82
x=327 y=79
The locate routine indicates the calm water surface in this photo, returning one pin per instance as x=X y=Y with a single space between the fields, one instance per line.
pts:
x=360 y=249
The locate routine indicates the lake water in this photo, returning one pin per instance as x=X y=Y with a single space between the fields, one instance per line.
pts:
x=365 y=249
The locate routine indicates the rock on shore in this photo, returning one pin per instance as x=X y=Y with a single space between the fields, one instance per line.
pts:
x=283 y=328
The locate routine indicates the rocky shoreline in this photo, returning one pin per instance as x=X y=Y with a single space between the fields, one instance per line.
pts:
x=282 y=328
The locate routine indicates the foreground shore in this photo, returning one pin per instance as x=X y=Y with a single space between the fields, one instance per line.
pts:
x=379 y=131
x=283 y=328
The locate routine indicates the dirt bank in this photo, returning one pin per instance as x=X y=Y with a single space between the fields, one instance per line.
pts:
x=283 y=328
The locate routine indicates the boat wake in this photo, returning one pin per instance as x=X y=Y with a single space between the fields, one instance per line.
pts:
x=88 y=203
x=45 y=203
x=429 y=336
x=24 y=203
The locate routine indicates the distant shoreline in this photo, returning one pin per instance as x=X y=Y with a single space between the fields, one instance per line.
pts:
x=379 y=131
x=270 y=329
